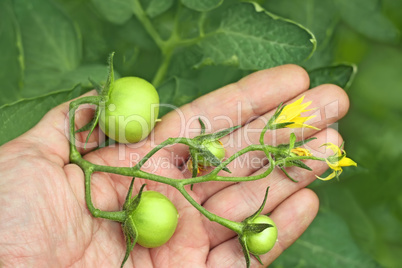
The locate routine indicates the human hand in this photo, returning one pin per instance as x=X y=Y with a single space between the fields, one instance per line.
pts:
x=45 y=221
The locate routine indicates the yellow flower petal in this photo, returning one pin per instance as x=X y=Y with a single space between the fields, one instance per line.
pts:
x=299 y=122
x=346 y=162
x=333 y=166
x=291 y=114
x=301 y=151
x=333 y=147
x=330 y=177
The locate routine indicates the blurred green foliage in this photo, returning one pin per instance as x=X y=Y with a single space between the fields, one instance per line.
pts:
x=53 y=46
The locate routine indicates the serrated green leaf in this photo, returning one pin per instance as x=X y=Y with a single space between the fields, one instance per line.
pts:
x=248 y=37
x=319 y=16
x=365 y=16
x=115 y=11
x=27 y=112
x=10 y=62
x=341 y=75
x=202 y=5
x=51 y=44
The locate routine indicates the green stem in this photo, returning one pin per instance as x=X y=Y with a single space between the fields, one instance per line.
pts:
x=232 y=225
x=119 y=216
x=243 y=151
x=87 y=167
x=163 y=67
x=143 y=18
x=250 y=178
x=282 y=161
x=95 y=100
x=169 y=141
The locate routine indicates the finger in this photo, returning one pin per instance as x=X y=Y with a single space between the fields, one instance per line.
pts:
x=233 y=104
x=292 y=217
x=242 y=199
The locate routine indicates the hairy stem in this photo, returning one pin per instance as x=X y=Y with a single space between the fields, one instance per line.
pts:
x=232 y=225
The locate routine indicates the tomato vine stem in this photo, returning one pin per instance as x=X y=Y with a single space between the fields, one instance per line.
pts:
x=280 y=156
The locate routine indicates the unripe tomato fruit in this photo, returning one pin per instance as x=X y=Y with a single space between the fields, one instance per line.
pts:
x=131 y=110
x=261 y=243
x=216 y=148
x=155 y=219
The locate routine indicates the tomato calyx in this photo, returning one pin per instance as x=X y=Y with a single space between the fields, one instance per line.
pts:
x=129 y=229
x=207 y=150
x=150 y=219
x=254 y=238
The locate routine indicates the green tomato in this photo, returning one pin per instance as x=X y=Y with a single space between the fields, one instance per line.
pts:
x=131 y=110
x=216 y=148
x=261 y=243
x=155 y=219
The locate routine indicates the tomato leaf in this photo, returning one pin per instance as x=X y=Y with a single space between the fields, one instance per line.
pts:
x=115 y=11
x=202 y=5
x=341 y=75
x=246 y=38
x=27 y=112
x=157 y=7
x=10 y=62
x=319 y=16
x=45 y=27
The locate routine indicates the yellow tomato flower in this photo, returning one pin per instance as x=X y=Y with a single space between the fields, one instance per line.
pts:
x=301 y=151
x=337 y=161
x=291 y=114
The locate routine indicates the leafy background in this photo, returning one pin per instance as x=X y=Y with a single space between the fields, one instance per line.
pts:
x=190 y=47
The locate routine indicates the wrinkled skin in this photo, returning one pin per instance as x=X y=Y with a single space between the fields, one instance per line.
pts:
x=45 y=221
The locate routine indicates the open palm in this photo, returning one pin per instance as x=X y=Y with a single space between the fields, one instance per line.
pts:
x=45 y=222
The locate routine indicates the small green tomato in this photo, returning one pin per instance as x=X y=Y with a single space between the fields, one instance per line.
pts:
x=216 y=148
x=155 y=219
x=131 y=110
x=261 y=243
